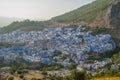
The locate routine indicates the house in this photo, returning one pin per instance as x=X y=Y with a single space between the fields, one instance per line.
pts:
x=114 y=67
x=79 y=68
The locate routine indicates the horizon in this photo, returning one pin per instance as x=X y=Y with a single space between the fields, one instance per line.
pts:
x=38 y=9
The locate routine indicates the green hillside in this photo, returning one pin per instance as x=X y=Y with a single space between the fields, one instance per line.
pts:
x=116 y=57
x=4 y=21
x=85 y=13
x=26 y=25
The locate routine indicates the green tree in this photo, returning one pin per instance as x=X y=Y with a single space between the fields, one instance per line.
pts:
x=11 y=78
x=14 y=69
x=75 y=75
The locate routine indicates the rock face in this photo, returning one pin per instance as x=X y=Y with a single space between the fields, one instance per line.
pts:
x=110 y=17
x=115 y=20
x=115 y=15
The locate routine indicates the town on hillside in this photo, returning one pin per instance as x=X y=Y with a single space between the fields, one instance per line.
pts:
x=63 y=46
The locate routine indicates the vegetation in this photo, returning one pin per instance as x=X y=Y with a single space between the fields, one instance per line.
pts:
x=26 y=25
x=85 y=13
x=109 y=54
x=77 y=75
x=102 y=30
x=51 y=68
x=107 y=78
x=21 y=76
x=108 y=73
x=116 y=58
x=11 y=78
x=5 y=45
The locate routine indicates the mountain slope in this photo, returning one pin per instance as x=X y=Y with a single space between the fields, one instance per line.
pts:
x=86 y=13
x=95 y=14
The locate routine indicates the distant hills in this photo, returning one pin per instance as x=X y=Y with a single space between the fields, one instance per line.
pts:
x=100 y=13
x=4 y=21
x=26 y=25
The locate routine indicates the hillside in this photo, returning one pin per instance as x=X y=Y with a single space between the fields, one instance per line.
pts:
x=86 y=13
x=116 y=58
x=4 y=21
x=96 y=14
x=26 y=25
x=100 y=13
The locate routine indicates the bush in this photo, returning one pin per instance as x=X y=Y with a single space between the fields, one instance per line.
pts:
x=75 y=75
x=21 y=76
x=11 y=78
x=33 y=79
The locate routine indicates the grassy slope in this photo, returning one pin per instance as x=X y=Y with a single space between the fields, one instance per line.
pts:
x=85 y=13
x=25 y=25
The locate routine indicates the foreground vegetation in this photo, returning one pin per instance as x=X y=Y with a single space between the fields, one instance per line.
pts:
x=108 y=78
x=116 y=58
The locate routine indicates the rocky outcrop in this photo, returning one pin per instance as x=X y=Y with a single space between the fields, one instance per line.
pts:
x=110 y=17
x=115 y=15
x=114 y=19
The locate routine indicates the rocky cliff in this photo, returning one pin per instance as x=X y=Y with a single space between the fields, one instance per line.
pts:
x=115 y=20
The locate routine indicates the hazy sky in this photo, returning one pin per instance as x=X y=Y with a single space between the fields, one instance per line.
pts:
x=38 y=9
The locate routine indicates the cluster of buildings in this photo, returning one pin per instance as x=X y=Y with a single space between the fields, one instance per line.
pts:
x=55 y=45
x=95 y=66
x=60 y=73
